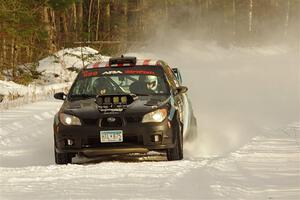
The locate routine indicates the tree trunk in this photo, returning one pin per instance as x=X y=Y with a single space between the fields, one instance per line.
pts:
x=124 y=20
x=98 y=20
x=12 y=58
x=31 y=49
x=16 y=56
x=80 y=18
x=74 y=20
x=48 y=29
x=54 y=31
x=141 y=16
x=133 y=19
x=107 y=21
x=166 y=10
x=64 y=24
x=4 y=51
x=2 y=40
x=27 y=48
x=89 y=20
x=250 y=27
x=233 y=18
x=287 y=18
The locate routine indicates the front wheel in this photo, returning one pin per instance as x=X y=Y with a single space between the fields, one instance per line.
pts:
x=63 y=158
x=176 y=153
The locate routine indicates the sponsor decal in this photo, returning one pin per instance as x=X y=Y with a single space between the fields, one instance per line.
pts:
x=89 y=74
x=112 y=72
x=139 y=72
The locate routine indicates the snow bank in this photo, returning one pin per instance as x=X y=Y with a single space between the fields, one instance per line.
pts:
x=59 y=71
x=69 y=58
x=17 y=95
x=8 y=87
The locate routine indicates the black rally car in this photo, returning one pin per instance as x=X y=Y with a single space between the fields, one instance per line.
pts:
x=123 y=106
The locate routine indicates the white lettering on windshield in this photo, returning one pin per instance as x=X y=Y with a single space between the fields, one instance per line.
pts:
x=112 y=72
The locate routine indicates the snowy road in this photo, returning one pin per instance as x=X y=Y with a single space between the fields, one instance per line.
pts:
x=267 y=167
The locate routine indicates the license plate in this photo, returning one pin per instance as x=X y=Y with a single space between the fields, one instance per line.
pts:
x=111 y=136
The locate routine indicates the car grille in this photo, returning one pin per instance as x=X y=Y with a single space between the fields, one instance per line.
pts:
x=107 y=122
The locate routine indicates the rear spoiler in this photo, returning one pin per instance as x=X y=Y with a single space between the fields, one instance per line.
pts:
x=177 y=74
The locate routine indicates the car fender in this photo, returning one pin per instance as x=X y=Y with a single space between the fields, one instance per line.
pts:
x=56 y=120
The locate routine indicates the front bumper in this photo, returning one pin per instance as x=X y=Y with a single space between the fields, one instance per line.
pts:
x=137 y=138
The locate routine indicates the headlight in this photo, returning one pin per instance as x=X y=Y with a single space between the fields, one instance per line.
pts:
x=155 y=116
x=69 y=119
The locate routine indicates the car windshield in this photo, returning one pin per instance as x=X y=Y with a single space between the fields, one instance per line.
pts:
x=91 y=83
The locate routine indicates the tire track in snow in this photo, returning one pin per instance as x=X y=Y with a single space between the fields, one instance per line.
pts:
x=266 y=168
x=106 y=180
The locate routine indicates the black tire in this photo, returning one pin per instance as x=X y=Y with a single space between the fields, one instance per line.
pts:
x=176 y=153
x=63 y=158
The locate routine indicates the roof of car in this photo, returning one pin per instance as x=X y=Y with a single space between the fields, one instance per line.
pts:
x=139 y=62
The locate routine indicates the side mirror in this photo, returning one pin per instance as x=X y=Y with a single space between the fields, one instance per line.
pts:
x=60 y=96
x=181 y=90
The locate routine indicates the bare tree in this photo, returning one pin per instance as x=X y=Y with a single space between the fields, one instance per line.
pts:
x=74 y=20
x=89 y=19
x=80 y=17
x=287 y=17
x=98 y=20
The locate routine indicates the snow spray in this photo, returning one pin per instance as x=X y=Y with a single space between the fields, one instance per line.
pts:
x=236 y=93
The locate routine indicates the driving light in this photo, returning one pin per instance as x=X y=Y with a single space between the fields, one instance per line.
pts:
x=107 y=100
x=155 y=116
x=116 y=100
x=69 y=119
x=124 y=100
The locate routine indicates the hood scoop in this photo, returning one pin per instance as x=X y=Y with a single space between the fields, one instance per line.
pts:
x=114 y=103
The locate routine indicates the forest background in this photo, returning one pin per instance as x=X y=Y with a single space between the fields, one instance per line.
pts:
x=33 y=29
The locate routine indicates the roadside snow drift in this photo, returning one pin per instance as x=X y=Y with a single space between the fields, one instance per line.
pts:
x=58 y=72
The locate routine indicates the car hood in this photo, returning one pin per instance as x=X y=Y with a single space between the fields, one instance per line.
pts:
x=88 y=109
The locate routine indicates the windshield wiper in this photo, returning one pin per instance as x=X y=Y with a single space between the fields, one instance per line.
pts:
x=84 y=96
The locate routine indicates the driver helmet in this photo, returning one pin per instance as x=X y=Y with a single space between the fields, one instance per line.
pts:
x=151 y=82
x=101 y=86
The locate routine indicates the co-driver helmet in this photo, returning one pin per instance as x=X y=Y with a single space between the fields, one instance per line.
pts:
x=151 y=82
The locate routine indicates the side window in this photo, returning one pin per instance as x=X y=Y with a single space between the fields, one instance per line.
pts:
x=77 y=89
x=90 y=85
x=83 y=86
